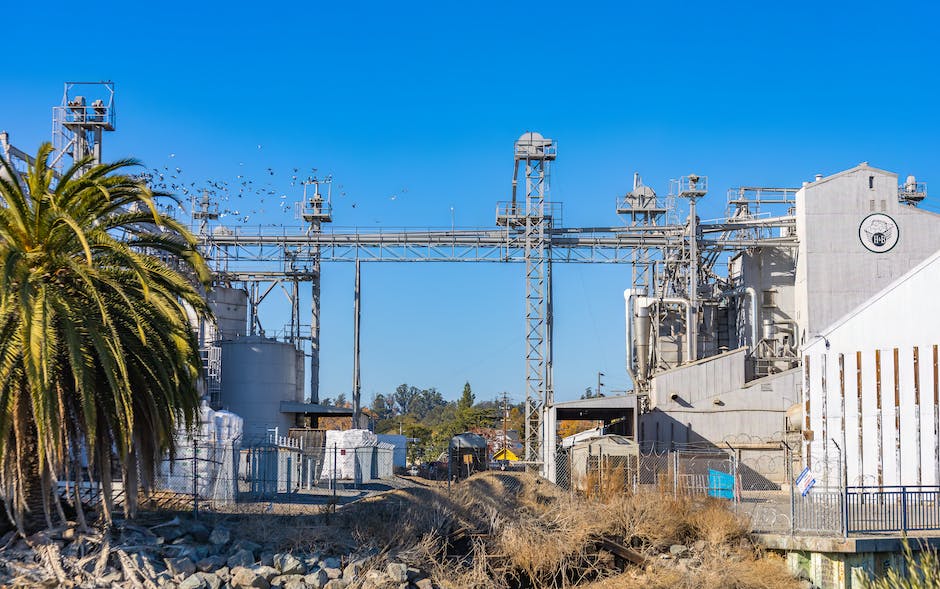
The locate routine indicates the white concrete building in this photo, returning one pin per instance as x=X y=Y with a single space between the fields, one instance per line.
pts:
x=871 y=387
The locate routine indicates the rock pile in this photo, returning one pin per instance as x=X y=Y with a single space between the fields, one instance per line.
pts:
x=185 y=554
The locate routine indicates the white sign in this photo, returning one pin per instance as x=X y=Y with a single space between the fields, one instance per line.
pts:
x=805 y=481
x=878 y=233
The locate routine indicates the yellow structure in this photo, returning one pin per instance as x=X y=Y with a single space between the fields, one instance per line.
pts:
x=505 y=454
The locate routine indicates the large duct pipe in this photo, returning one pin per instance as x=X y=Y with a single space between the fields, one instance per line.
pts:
x=750 y=292
x=628 y=296
x=641 y=320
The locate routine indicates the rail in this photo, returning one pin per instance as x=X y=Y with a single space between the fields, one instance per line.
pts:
x=892 y=509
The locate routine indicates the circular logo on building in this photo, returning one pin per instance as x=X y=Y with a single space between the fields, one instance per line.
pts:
x=878 y=233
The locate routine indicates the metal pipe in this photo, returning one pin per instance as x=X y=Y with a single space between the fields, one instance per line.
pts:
x=692 y=325
x=751 y=292
x=688 y=320
x=356 y=318
x=642 y=330
x=628 y=295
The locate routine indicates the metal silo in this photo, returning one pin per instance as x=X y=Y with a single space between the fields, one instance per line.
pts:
x=257 y=375
x=230 y=306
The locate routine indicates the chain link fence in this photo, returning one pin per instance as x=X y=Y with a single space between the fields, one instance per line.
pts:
x=208 y=475
x=752 y=480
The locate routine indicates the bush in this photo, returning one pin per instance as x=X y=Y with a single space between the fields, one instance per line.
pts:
x=921 y=572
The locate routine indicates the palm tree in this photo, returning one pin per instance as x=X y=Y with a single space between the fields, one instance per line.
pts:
x=97 y=357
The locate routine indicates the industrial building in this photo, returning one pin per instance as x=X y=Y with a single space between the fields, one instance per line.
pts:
x=724 y=367
x=720 y=315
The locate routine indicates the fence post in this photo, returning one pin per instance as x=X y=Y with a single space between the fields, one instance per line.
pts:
x=843 y=494
x=903 y=509
x=570 y=473
x=195 y=479
x=334 y=475
x=788 y=470
x=735 y=483
x=675 y=474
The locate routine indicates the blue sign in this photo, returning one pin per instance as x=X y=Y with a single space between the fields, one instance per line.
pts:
x=805 y=481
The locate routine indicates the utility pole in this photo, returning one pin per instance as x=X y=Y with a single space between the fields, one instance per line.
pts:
x=356 y=384
x=597 y=391
x=505 y=422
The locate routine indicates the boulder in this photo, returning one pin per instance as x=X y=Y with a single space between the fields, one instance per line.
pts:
x=198 y=531
x=240 y=558
x=397 y=572
x=288 y=564
x=170 y=533
x=180 y=566
x=245 y=578
x=375 y=580
x=220 y=535
x=352 y=570
x=212 y=581
x=248 y=545
x=267 y=572
x=332 y=573
x=192 y=582
x=267 y=558
x=317 y=579
x=283 y=580
x=210 y=563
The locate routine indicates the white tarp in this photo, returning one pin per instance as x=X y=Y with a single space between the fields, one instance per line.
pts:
x=351 y=452
x=215 y=442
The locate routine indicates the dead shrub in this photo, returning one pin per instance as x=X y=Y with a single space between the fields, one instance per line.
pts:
x=653 y=520
x=713 y=522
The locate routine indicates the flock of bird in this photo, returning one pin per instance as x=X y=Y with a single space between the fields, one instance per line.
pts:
x=241 y=199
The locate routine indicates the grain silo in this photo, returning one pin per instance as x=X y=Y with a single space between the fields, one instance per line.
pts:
x=258 y=374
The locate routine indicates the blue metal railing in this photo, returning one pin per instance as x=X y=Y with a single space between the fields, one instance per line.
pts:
x=892 y=509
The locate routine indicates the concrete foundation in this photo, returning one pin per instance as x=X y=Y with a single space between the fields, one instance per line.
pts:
x=843 y=563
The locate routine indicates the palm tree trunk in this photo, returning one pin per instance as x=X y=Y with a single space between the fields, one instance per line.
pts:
x=33 y=491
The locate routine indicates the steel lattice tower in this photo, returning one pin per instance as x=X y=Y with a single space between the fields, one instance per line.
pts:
x=533 y=154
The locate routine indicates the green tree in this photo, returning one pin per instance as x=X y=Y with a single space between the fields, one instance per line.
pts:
x=466 y=399
x=341 y=400
x=97 y=357
x=380 y=407
x=426 y=402
x=405 y=396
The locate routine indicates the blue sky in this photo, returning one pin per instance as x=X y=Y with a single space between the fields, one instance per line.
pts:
x=422 y=100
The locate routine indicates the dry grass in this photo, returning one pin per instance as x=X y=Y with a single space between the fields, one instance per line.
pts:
x=500 y=530
x=509 y=530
